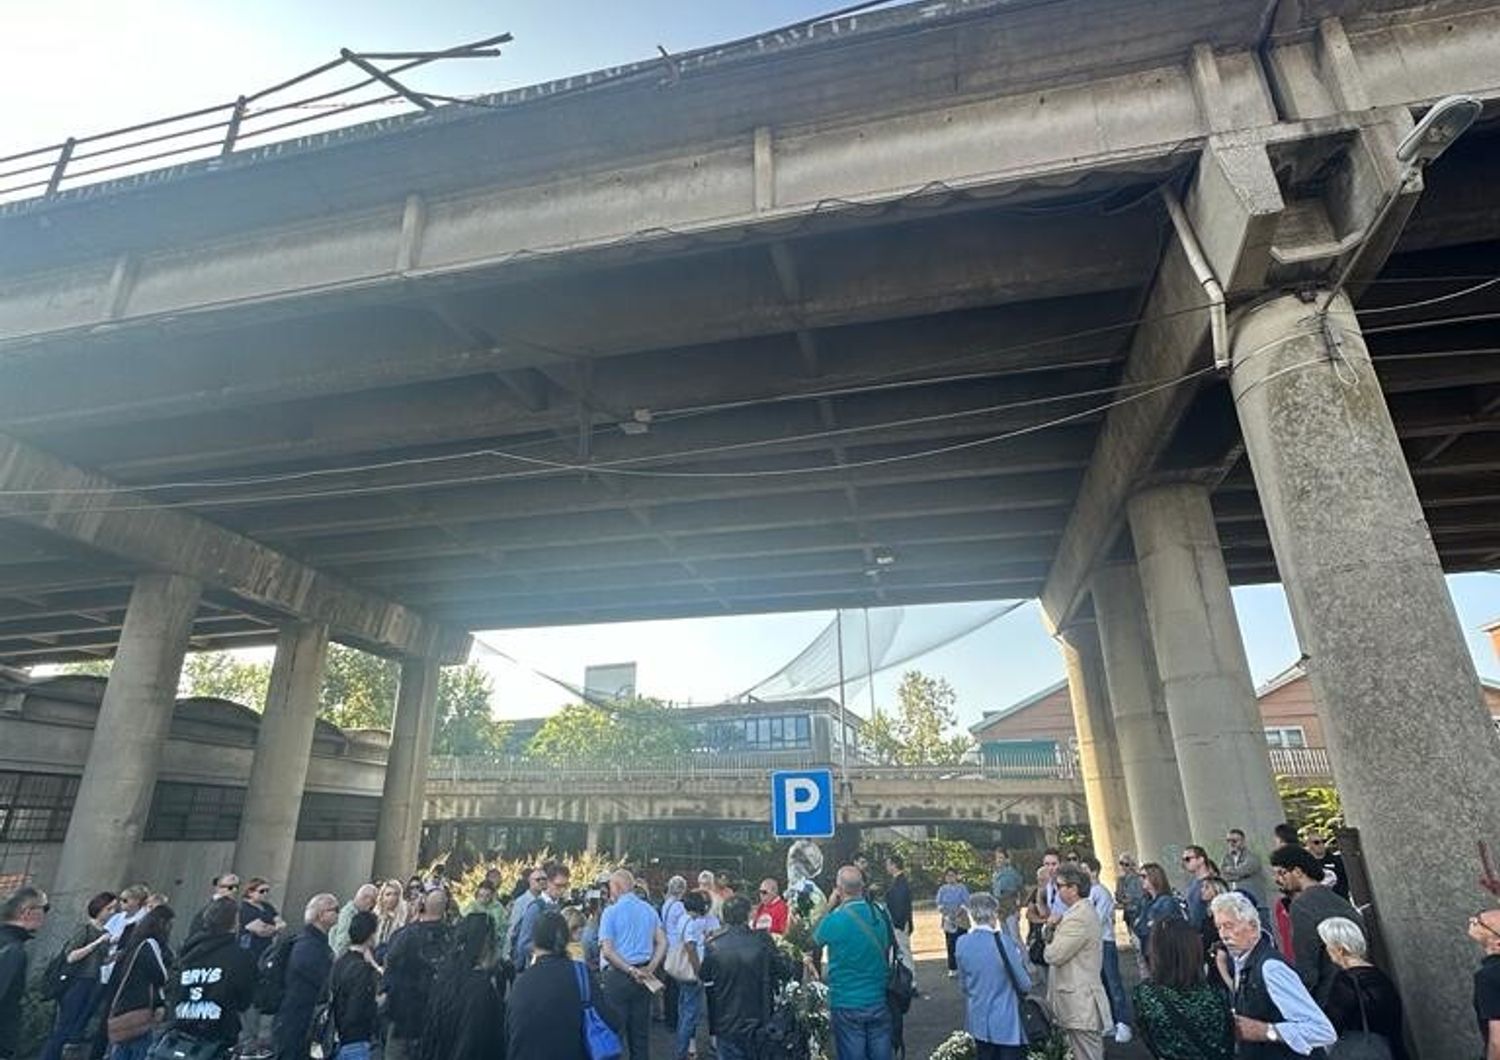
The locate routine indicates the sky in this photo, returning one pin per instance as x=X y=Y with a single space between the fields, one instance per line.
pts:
x=80 y=66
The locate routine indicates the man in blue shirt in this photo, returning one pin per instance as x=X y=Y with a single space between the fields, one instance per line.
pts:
x=1271 y=1005
x=858 y=940
x=632 y=945
x=558 y=879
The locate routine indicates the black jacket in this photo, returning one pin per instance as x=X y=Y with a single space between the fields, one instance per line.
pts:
x=416 y=953
x=139 y=979
x=544 y=1015
x=307 y=972
x=466 y=1017
x=898 y=901
x=1309 y=908
x=355 y=986
x=214 y=982
x=13 y=941
x=740 y=974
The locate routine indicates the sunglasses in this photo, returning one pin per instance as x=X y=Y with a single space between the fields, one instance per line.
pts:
x=229 y=886
x=45 y=907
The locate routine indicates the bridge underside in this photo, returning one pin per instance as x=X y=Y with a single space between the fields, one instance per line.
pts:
x=859 y=387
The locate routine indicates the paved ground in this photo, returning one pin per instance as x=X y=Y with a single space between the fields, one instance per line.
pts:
x=940 y=1010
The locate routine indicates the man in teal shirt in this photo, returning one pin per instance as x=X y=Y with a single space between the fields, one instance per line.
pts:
x=858 y=940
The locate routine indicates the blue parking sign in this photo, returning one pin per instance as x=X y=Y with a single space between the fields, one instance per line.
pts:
x=802 y=804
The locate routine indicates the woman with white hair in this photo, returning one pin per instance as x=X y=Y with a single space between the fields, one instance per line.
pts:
x=1362 y=998
x=992 y=972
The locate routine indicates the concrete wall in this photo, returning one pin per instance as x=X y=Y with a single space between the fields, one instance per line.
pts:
x=47 y=726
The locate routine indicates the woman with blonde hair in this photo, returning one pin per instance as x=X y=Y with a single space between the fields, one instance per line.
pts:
x=390 y=916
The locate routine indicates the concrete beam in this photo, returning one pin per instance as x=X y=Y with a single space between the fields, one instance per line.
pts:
x=565 y=494
x=159 y=539
x=339 y=353
x=468 y=411
x=1233 y=206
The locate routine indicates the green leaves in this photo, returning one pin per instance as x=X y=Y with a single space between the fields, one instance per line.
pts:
x=632 y=730
x=917 y=734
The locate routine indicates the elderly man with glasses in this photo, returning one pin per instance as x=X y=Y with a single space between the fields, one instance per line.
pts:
x=1275 y=1016
x=1484 y=928
x=22 y=915
x=771 y=911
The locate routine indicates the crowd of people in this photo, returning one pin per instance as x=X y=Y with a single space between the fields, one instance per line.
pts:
x=1246 y=959
x=400 y=971
x=1225 y=970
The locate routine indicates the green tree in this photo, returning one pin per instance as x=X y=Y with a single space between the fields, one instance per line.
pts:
x=359 y=689
x=359 y=692
x=629 y=731
x=464 y=724
x=223 y=675
x=918 y=732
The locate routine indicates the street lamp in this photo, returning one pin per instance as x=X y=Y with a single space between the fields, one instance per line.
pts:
x=1443 y=123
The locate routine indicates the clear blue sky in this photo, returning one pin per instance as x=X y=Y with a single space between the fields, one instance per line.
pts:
x=80 y=66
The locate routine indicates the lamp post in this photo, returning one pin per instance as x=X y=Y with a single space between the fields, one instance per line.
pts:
x=1443 y=123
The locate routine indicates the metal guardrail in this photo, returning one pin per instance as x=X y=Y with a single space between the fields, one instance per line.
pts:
x=222 y=129
x=1300 y=762
x=731 y=767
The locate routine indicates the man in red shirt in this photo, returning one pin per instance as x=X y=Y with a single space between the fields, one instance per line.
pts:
x=771 y=914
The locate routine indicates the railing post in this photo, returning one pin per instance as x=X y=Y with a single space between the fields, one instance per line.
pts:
x=232 y=133
x=63 y=158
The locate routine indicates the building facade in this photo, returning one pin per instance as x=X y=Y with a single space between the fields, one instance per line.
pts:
x=189 y=835
x=1040 y=727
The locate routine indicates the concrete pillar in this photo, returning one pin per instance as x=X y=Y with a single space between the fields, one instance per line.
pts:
x=1142 y=726
x=591 y=838
x=1414 y=754
x=268 y=826
x=119 y=775
x=1098 y=751
x=1216 y=726
x=399 y=831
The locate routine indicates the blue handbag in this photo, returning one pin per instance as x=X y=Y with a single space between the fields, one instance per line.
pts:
x=599 y=1039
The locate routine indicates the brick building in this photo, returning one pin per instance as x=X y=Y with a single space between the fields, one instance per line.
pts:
x=1041 y=725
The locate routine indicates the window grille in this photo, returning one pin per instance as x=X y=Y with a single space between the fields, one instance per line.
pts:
x=35 y=807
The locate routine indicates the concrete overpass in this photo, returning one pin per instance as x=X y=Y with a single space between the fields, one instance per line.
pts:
x=600 y=797
x=885 y=309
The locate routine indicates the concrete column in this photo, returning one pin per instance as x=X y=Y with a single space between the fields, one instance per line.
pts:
x=1414 y=754
x=591 y=838
x=1216 y=726
x=1098 y=750
x=268 y=827
x=1142 y=725
x=119 y=776
x=399 y=832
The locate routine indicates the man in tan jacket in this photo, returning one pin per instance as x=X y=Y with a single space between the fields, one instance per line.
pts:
x=1074 y=955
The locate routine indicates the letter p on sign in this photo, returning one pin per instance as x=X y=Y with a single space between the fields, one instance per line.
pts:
x=802 y=804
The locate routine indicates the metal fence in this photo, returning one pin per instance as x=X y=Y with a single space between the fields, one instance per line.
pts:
x=731 y=767
x=254 y=120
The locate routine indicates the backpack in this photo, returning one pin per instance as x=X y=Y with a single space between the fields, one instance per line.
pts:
x=57 y=976
x=270 y=971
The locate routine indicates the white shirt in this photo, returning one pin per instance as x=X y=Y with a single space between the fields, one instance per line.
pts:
x=1104 y=905
x=114 y=927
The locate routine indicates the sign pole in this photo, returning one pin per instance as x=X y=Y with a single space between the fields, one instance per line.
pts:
x=843 y=724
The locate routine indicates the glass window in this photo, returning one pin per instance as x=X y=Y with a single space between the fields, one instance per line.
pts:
x=35 y=807
x=328 y=817
x=194 y=812
x=804 y=730
x=1289 y=736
